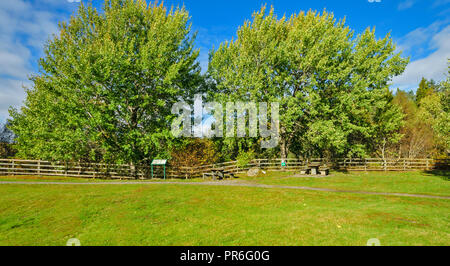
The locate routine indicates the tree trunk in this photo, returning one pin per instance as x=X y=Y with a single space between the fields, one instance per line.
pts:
x=283 y=149
x=383 y=154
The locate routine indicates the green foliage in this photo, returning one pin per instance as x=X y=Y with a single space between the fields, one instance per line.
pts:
x=7 y=150
x=386 y=127
x=194 y=152
x=231 y=216
x=107 y=83
x=434 y=109
x=426 y=88
x=245 y=157
x=332 y=86
x=417 y=136
x=426 y=127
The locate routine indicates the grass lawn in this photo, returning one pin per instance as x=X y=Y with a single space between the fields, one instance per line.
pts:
x=155 y=214
x=431 y=183
x=84 y=180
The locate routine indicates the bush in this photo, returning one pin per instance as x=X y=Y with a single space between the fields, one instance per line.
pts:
x=6 y=150
x=195 y=152
x=244 y=158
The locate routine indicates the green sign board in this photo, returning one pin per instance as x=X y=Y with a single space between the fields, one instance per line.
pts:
x=283 y=163
x=161 y=163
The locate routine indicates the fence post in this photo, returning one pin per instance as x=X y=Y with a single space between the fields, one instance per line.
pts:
x=428 y=166
x=12 y=167
x=39 y=168
x=132 y=170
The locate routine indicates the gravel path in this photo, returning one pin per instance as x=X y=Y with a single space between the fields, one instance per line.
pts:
x=227 y=183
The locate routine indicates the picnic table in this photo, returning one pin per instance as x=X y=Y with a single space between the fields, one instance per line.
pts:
x=315 y=169
x=219 y=173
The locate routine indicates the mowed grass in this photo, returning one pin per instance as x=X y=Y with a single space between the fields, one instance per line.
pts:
x=69 y=179
x=416 y=182
x=166 y=214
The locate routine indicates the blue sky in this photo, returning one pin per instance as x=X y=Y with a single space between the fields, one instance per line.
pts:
x=421 y=29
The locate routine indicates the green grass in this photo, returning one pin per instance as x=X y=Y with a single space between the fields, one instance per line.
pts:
x=154 y=214
x=84 y=180
x=435 y=183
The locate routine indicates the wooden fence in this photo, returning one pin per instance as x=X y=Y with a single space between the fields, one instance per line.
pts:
x=126 y=171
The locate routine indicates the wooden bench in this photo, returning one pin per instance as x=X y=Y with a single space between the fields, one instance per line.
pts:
x=315 y=169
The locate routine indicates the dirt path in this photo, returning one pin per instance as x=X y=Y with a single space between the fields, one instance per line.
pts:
x=227 y=183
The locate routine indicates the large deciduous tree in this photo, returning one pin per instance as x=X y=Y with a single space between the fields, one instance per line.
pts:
x=107 y=83
x=435 y=111
x=332 y=86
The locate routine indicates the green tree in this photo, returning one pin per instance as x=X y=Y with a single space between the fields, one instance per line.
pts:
x=331 y=85
x=107 y=84
x=435 y=110
x=432 y=112
x=194 y=152
x=417 y=134
x=425 y=89
x=386 y=129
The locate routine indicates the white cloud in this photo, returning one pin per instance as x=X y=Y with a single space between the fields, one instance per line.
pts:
x=24 y=28
x=14 y=64
x=405 y=4
x=416 y=42
x=11 y=94
x=431 y=49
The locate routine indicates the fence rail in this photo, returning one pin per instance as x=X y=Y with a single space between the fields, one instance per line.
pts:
x=126 y=171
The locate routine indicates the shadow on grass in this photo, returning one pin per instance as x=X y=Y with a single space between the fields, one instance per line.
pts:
x=443 y=174
x=343 y=171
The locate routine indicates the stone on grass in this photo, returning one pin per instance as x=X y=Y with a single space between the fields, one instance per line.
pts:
x=254 y=171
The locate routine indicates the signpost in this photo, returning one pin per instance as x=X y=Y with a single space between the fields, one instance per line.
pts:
x=159 y=162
